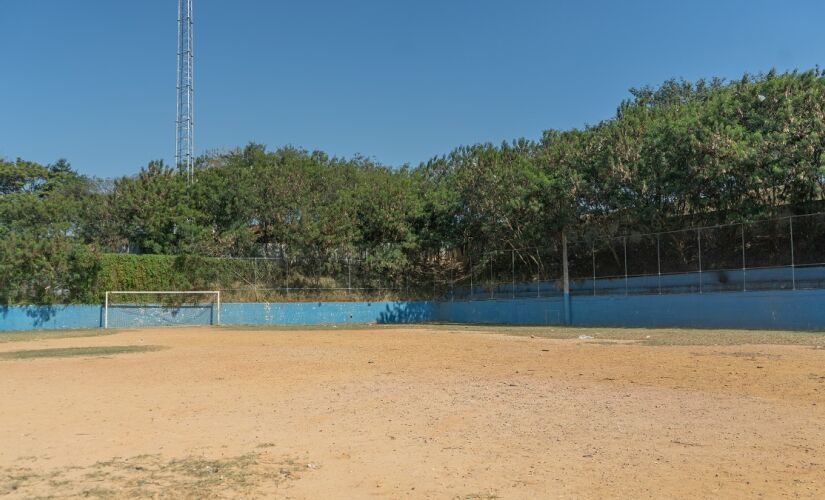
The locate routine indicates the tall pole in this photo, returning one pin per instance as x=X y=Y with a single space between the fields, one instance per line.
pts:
x=565 y=271
x=185 y=124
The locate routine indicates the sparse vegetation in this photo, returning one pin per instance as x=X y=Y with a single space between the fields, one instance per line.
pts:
x=70 y=352
x=30 y=336
x=152 y=476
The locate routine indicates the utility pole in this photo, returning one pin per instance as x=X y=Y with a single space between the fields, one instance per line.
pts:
x=185 y=125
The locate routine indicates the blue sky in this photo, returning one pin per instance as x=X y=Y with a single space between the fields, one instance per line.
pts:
x=94 y=81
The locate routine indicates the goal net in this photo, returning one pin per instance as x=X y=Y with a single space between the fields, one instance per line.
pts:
x=152 y=309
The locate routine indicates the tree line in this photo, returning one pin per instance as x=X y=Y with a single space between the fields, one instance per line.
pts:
x=674 y=156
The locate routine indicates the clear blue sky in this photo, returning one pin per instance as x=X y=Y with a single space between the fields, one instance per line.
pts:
x=94 y=81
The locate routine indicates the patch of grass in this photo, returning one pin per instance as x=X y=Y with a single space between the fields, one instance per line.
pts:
x=51 y=334
x=252 y=475
x=69 y=352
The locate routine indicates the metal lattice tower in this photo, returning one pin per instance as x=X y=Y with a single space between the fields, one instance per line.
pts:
x=185 y=125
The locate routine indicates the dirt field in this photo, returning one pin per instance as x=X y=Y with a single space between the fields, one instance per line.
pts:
x=420 y=412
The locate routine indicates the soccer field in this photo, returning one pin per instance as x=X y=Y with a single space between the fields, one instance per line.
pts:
x=421 y=412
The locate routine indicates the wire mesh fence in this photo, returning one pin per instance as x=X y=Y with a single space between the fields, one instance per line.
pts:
x=785 y=253
x=776 y=254
x=292 y=279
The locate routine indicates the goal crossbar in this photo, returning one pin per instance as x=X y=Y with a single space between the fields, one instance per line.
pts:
x=215 y=293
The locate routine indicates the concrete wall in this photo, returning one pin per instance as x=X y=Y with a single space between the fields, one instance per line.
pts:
x=138 y=316
x=504 y=311
x=317 y=313
x=786 y=310
x=794 y=310
x=791 y=310
x=50 y=317
x=327 y=313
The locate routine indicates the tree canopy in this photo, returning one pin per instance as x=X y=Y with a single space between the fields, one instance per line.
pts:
x=674 y=156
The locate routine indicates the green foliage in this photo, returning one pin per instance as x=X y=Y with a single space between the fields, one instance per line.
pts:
x=674 y=156
x=141 y=272
x=42 y=259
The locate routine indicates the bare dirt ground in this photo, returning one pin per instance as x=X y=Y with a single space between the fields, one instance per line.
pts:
x=419 y=412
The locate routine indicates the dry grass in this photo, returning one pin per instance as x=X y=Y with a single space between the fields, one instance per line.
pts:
x=151 y=476
x=51 y=334
x=69 y=352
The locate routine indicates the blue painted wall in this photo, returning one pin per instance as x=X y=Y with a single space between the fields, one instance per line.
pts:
x=50 y=317
x=793 y=310
x=786 y=310
x=318 y=313
x=137 y=316
x=789 y=310
x=503 y=311
x=327 y=313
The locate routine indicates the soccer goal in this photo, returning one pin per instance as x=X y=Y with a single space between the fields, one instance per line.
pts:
x=152 y=309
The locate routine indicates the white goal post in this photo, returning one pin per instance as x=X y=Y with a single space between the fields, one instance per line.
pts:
x=143 y=303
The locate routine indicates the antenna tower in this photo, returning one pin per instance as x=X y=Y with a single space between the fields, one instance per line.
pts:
x=185 y=125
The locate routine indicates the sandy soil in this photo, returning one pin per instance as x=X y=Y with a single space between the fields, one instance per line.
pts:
x=411 y=413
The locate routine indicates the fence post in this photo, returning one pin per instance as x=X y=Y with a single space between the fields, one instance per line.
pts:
x=286 y=264
x=470 y=259
x=513 y=291
x=625 y=265
x=255 y=277
x=699 y=237
x=659 y=259
x=593 y=256
x=492 y=282
x=793 y=258
x=349 y=276
x=744 y=262
x=565 y=270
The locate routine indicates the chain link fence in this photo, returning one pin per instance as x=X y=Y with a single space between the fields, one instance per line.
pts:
x=777 y=254
x=786 y=253
x=285 y=279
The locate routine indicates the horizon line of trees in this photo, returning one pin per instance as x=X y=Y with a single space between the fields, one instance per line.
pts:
x=678 y=155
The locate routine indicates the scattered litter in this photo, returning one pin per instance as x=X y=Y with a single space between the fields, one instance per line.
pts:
x=585 y=337
x=647 y=337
